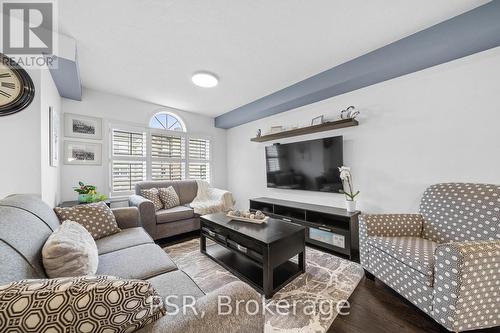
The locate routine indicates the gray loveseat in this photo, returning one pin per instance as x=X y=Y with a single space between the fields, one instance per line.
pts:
x=446 y=259
x=26 y=222
x=168 y=222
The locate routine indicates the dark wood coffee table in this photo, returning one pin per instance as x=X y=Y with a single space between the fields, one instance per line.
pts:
x=258 y=254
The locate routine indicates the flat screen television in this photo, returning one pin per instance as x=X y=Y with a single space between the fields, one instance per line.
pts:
x=307 y=165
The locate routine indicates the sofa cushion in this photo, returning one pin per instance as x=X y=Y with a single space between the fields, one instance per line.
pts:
x=175 y=283
x=415 y=252
x=153 y=195
x=169 y=197
x=122 y=240
x=97 y=218
x=83 y=304
x=137 y=262
x=70 y=251
x=174 y=214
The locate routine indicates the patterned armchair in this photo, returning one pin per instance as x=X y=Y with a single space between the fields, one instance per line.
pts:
x=445 y=260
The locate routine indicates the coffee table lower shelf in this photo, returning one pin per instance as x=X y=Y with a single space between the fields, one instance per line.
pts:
x=251 y=271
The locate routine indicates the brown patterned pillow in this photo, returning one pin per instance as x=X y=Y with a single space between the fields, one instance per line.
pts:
x=97 y=218
x=169 y=197
x=153 y=195
x=82 y=304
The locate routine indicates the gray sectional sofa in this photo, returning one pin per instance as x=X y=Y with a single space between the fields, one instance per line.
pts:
x=167 y=222
x=26 y=222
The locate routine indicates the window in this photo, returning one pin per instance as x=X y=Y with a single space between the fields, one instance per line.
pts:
x=163 y=152
x=167 y=157
x=199 y=159
x=128 y=160
x=167 y=121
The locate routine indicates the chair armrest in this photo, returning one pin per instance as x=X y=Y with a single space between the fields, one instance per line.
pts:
x=467 y=284
x=210 y=320
x=147 y=213
x=388 y=225
x=127 y=217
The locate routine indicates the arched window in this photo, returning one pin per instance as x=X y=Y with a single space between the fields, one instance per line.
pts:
x=167 y=121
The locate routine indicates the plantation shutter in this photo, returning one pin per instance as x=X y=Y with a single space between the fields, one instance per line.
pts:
x=199 y=171
x=125 y=174
x=199 y=149
x=167 y=146
x=167 y=170
x=128 y=143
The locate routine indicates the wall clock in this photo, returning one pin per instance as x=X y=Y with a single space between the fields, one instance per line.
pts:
x=16 y=87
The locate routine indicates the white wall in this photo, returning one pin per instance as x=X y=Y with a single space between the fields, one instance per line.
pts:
x=436 y=125
x=24 y=143
x=50 y=176
x=119 y=109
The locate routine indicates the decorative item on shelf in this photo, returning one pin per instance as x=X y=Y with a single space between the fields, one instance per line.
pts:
x=349 y=113
x=246 y=216
x=89 y=194
x=350 y=195
x=276 y=129
x=259 y=133
x=317 y=120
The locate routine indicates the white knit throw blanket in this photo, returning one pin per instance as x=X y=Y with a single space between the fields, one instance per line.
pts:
x=210 y=200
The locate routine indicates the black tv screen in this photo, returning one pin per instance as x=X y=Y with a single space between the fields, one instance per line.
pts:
x=307 y=165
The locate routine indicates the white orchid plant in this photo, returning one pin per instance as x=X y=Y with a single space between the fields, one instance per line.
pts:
x=346 y=177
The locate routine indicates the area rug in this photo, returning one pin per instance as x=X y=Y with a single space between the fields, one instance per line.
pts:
x=316 y=296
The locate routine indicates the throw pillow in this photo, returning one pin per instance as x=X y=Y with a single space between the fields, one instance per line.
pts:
x=97 y=218
x=169 y=197
x=70 y=251
x=83 y=304
x=153 y=195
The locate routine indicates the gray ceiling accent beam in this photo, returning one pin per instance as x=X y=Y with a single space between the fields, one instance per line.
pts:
x=66 y=76
x=474 y=31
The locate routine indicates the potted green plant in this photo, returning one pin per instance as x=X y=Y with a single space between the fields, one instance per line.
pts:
x=348 y=191
x=88 y=194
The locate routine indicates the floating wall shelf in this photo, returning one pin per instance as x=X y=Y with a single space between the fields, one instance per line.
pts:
x=328 y=126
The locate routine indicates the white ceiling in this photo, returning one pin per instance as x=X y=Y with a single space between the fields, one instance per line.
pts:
x=149 y=49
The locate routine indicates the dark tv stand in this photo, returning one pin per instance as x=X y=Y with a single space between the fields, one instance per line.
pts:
x=329 y=228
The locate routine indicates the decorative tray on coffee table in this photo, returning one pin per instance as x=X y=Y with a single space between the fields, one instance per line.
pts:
x=248 y=219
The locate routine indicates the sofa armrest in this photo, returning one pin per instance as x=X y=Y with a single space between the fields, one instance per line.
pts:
x=224 y=196
x=467 y=284
x=388 y=225
x=147 y=213
x=209 y=319
x=127 y=217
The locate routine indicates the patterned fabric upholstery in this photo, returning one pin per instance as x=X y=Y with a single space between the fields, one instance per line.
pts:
x=461 y=212
x=154 y=195
x=467 y=285
x=83 y=304
x=460 y=224
x=97 y=218
x=403 y=279
x=415 y=252
x=169 y=197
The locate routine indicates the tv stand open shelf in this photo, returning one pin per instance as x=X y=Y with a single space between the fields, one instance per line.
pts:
x=331 y=228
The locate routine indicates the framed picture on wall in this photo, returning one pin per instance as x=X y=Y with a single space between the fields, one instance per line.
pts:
x=82 y=153
x=53 y=137
x=78 y=126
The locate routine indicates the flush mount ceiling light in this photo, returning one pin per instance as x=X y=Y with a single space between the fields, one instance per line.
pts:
x=205 y=79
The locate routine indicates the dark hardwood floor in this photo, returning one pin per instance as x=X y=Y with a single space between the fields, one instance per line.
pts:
x=377 y=308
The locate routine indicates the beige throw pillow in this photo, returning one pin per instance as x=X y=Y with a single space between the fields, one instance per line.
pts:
x=70 y=251
x=169 y=197
x=97 y=218
x=153 y=195
x=83 y=304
